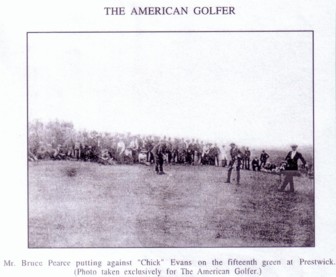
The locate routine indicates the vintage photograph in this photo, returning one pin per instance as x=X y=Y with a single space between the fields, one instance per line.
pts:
x=170 y=139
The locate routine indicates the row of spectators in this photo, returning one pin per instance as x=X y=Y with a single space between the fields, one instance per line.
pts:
x=59 y=141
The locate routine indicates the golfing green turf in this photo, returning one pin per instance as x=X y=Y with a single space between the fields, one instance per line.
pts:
x=82 y=204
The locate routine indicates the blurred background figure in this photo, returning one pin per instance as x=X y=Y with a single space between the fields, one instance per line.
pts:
x=236 y=160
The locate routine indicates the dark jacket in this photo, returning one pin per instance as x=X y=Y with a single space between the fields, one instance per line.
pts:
x=235 y=153
x=159 y=149
x=263 y=157
x=255 y=162
x=292 y=164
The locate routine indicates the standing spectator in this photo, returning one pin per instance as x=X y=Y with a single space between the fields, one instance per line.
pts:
x=242 y=149
x=134 y=146
x=198 y=152
x=141 y=144
x=205 y=153
x=216 y=153
x=121 y=150
x=77 y=149
x=182 y=151
x=175 y=151
x=291 y=168
x=247 y=156
x=236 y=158
x=223 y=158
x=149 y=146
x=113 y=148
x=169 y=150
x=191 y=151
x=263 y=158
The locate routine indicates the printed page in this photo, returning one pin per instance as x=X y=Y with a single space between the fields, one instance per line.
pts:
x=171 y=138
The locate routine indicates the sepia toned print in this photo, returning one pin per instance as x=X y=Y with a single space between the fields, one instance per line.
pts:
x=170 y=139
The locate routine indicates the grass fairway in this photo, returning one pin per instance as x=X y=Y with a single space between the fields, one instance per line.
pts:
x=78 y=204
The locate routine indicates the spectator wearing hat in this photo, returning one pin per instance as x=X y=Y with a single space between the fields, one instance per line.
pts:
x=263 y=158
x=291 y=168
x=236 y=160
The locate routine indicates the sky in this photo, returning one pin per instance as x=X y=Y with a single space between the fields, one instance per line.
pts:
x=250 y=88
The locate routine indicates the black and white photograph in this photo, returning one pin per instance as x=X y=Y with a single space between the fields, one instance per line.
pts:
x=162 y=139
